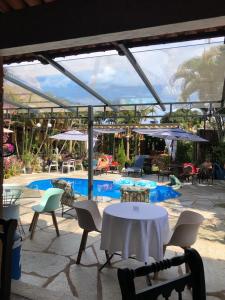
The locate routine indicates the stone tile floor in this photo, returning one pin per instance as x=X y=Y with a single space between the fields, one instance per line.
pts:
x=49 y=269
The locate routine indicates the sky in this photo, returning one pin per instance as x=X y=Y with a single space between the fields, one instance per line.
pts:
x=113 y=77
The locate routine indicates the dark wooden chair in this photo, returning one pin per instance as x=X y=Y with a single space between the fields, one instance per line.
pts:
x=7 y=231
x=194 y=279
x=205 y=174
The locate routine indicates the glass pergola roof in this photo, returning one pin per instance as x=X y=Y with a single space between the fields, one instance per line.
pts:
x=179 y=73
x=112 y=76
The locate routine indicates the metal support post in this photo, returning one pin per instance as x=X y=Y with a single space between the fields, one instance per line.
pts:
x=90 y=152
x=128 y=143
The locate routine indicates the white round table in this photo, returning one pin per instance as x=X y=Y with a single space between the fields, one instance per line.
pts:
x=135 y=228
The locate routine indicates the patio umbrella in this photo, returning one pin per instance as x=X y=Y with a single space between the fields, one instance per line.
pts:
x=179 y=137
x=172 y=134
x=72 y=135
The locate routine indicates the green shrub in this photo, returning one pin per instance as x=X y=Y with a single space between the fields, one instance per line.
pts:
x=121 y=156
x=218 y=153
x=184 y=152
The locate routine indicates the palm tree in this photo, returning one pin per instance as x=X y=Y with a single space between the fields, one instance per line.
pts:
x=203 y=75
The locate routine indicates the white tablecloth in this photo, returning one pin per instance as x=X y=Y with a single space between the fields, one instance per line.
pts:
x=135 y=228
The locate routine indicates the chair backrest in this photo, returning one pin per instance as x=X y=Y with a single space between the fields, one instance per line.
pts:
x=187 y=170
x=78 y=162
x=68 y=194
x=51 y=199
x=72 y=162
x=88 y=215
x=139 y=161
x=186 y=230
x=191 y=165
x=134 y=194
x=7 y=231
x=175 y=182
x=95 y=162
x=109 y=158
x=195 y=279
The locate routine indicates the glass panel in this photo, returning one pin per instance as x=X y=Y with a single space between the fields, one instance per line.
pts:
x=15 y=93
x=187 y=71
x=50 y=81
x=112 y=76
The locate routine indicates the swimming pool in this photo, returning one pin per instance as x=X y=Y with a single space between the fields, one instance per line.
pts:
x=105 y=188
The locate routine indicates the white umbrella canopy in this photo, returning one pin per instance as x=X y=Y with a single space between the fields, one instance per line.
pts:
x=72 y=135
x=106 y=130
x=172 y=134
x=176 y=137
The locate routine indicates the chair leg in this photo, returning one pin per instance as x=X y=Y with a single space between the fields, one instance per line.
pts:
x=36 y=216
x=20 y=228
x=55 y=222
x=107 y=257
x=32 y=222
x=82 y=246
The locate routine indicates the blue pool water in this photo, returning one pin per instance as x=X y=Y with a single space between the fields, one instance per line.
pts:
x=106 y=188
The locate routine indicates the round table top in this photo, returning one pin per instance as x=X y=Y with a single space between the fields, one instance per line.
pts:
x=136 y=211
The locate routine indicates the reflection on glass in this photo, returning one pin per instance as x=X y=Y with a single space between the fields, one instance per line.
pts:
x=50 y=81
x=186 y=73
x=112 y=76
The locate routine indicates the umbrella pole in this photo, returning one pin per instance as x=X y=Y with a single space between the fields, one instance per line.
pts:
x=171 y=156
x=90 y=152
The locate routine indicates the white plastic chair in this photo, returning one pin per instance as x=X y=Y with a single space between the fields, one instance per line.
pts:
x=54 y=164
x=79 y=163
x=185 y=231
x=70 y=164
x=11 y=195
x=89 y=219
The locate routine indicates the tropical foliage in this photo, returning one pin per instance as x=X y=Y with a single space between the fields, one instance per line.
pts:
x=218 y=153
x=202 y=77
x=184 y=152
x=186 y=118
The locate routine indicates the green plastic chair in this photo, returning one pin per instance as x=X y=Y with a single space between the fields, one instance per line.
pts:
x=49 y=203
x=175 y=182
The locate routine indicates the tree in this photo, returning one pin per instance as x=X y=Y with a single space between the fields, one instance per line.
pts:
x=184 y=117
x=121 y=156
x=203 y=75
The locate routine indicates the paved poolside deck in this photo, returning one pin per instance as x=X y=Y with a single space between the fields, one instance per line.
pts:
x=48 y=262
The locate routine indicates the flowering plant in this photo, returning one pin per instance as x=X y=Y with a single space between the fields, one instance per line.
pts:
x=12 y=166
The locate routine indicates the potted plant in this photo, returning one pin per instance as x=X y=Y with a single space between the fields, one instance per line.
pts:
x=27 y=160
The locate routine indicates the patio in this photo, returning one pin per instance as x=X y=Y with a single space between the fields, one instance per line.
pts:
x=49 y=270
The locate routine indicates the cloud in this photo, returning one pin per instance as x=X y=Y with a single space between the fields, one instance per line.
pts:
x=112 y=74
x=107 y=74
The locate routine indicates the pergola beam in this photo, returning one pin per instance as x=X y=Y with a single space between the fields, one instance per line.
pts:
x=37 y=92
x=141 y=73
x=75 y=79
